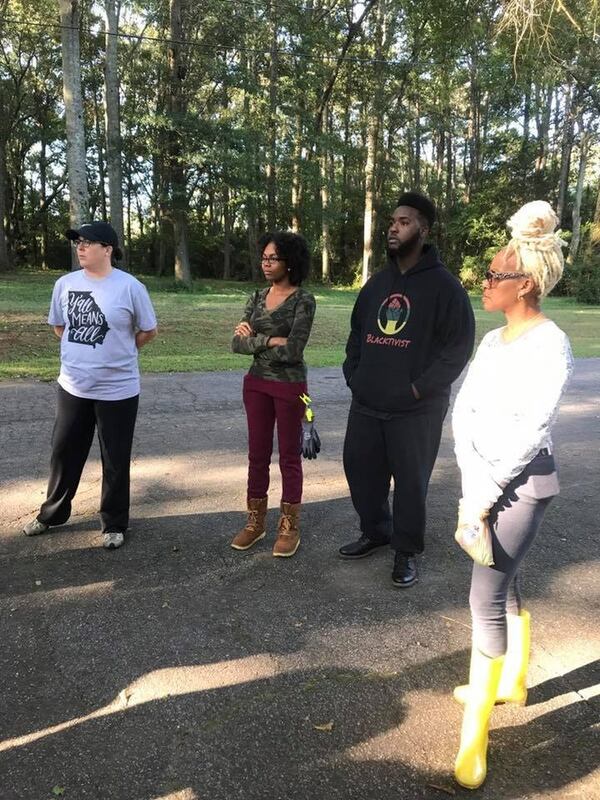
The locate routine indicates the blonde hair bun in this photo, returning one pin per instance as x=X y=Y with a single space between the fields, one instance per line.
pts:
x=533 y=220
x=536 y=245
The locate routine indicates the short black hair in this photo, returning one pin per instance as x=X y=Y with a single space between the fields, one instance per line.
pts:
x=291 y=248
x=421 y=203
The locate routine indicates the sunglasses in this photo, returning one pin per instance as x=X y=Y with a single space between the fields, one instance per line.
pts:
x=491 y=276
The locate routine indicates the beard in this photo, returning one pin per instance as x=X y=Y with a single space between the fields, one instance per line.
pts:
x=404 y=248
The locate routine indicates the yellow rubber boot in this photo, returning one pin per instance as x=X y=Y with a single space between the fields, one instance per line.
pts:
x=470 y=767
x=513 y=683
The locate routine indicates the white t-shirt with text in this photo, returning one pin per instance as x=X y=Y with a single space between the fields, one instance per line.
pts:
x=99 y=357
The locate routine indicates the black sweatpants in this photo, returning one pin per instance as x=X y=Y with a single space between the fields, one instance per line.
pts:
x=76 y=420
x=405 y=448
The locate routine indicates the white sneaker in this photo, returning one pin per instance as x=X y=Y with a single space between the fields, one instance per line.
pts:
x=35 y=527
x=113 y=539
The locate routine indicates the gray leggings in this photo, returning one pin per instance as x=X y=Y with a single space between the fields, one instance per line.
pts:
x=514 y=521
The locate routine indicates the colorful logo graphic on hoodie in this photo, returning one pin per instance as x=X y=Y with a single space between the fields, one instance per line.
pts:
x=393 y=314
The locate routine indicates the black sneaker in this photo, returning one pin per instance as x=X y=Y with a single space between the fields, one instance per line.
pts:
x=361 y=548
x=404 y=573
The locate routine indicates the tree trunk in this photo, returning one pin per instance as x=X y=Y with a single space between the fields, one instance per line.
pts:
x=177 y=70
x=554 y=150
x=130 y=193
x=565 y=156
x=5 y=255
x=5 y=261
x=140 y=214
x=372 y=139
x=583 y=156
x=543 y=103
x=449 y=194
x=44 y=214
x=297 y=170
x=344 y=187
x=252 y=174
x=101 y=165
x=272 y=126
x=112 y=114
x=159 y=249
x=417 y=170
x=227 y=226
x=526 y=114
x=253 y=245
x=73 y=99
x=383 y=172
x=474 y=130
x=484 y=122
x=439 y=159
x=593 y=246
x=373 y=125
x=325 y=241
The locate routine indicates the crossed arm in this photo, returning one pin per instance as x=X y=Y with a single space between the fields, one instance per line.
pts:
x=244 y=330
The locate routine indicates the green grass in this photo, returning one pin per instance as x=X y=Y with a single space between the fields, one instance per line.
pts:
x=195 y=328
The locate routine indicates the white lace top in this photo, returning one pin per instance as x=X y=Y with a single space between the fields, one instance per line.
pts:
x=506 y=407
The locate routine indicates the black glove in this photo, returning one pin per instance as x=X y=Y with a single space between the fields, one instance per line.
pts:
x=310 y=444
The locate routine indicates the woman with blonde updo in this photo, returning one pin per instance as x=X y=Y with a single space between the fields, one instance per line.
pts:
x=501 y=422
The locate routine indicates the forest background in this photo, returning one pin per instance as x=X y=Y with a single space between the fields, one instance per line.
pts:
x=196 y=126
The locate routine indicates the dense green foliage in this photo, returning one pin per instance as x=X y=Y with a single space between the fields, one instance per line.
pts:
x=279 y=102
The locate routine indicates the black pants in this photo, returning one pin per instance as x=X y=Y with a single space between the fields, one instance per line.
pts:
x=76 y=420
x=405 y=448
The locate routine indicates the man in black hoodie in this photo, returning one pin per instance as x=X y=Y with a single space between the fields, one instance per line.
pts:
x=412 y=332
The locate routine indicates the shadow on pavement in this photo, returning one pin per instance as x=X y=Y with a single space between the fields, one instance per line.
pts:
x=260 y=739
x=182 y=664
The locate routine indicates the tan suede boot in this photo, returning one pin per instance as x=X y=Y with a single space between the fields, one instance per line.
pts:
x=288 y=535
x=254 y=529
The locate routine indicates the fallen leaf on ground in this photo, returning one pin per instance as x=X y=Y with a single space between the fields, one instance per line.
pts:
x=57 y=791
x=327 y=726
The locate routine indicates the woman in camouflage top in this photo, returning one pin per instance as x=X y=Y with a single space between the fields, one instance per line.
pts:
x=275 y=330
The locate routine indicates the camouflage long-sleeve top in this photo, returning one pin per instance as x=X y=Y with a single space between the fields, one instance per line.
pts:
x=291 y=319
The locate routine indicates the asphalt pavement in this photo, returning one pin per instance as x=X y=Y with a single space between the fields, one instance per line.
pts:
x=177 y=668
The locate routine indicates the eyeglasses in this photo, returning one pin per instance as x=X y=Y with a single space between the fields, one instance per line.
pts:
x=491 y=276
x=85 y=243
x=271 y=259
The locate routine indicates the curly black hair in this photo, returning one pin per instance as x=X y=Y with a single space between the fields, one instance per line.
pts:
x=423 y=205
x=291 y=248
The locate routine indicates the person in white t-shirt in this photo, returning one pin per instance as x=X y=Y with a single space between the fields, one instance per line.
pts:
x=102 y=316
x=502 y=420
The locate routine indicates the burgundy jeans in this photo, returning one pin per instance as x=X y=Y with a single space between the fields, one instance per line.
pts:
x=267 y=402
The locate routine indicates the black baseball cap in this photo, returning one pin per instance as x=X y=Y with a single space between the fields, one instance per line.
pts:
x=95 y=232
x=420 y=202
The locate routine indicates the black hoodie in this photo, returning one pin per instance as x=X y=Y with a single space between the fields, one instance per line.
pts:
x=408 y=328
